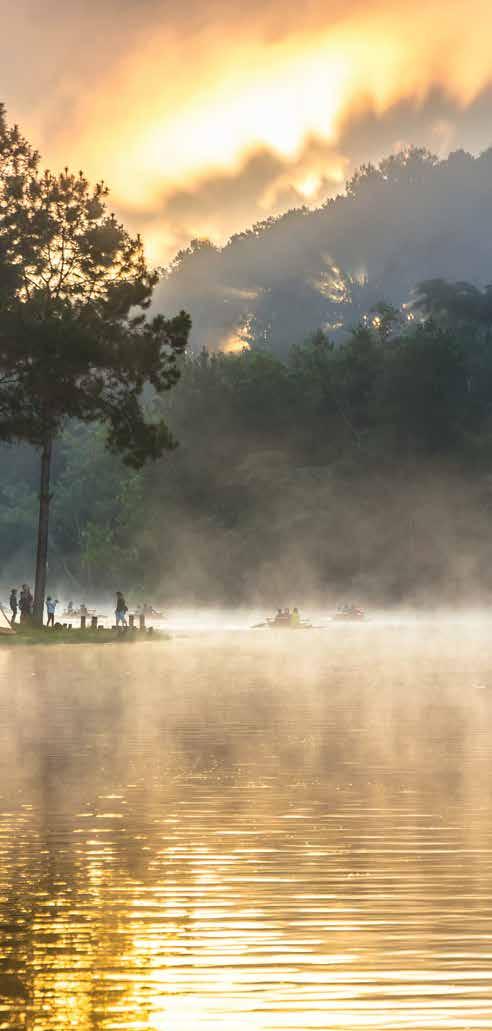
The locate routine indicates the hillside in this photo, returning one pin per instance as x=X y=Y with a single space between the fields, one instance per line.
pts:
x=410 y=218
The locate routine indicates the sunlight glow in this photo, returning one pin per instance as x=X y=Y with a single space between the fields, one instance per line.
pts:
x=186 y=110
x=309 y=186
x=296 y=95
x=235 y=344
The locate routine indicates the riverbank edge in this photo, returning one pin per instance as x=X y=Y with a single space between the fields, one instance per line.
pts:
x=74 y=637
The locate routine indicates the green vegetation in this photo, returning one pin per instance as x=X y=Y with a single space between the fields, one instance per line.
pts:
x=362 y=468
x=44 y=636
x=75 y=342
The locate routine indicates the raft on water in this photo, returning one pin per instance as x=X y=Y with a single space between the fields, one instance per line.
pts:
x=275 y=624
x=284 y=624
x=350 y=614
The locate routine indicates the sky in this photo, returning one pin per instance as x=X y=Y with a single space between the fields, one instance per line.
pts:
x=206 y=117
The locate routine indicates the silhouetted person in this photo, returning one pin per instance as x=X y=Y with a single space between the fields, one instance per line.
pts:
x=13 y=604
x=121 y=609
x=25 y=604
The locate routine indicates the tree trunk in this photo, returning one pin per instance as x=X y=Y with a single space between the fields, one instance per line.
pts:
x=42 y=551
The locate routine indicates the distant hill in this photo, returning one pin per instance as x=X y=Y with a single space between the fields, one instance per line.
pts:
x=411 y=218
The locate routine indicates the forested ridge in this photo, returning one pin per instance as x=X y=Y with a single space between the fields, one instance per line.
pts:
x=412 y=217
x=361 y=468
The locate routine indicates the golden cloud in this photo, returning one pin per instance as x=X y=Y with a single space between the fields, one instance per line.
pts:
x=160 y=103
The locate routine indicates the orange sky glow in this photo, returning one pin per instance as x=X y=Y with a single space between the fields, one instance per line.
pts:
x=174 y=109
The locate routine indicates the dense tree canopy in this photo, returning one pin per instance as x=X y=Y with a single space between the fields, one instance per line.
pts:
x=353 y=468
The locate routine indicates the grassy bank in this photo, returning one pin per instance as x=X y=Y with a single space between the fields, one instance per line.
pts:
x=46 y=637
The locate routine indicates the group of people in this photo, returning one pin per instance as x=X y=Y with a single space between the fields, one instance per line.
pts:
x=120 y=611
x=146 y=609
x=21 y=602
x=22 y=605
x=287 y=618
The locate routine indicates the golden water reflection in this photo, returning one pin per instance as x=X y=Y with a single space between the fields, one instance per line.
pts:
x=247 y=834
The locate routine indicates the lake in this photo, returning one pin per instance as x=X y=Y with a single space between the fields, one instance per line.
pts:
x=249 y=831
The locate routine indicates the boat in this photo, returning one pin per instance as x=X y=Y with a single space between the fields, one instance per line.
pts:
x=149 y=610
x=270 y=624
x=279 y=624
x=284 y=622
x=349 y=614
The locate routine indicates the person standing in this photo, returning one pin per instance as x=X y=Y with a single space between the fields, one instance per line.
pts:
x=24 y=603
x=51 y=609
x=121 y=609
x=13 y=605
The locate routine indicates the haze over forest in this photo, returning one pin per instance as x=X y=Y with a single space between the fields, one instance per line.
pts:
x=344 y=451
x=293 y=181
x=354 y=461
x=411 y=218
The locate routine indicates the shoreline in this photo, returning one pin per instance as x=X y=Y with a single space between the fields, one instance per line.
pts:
x=47 y=636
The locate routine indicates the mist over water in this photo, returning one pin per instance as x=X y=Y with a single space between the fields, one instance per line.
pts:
x=249 y=830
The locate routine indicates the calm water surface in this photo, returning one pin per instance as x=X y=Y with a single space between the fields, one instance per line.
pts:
x=251 y=832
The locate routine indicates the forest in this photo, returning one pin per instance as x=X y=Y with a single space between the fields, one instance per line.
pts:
x=359 y=468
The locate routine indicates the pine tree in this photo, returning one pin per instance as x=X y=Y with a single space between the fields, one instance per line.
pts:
x=76 y=341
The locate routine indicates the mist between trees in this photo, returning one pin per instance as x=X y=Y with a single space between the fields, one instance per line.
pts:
x=360 y=469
